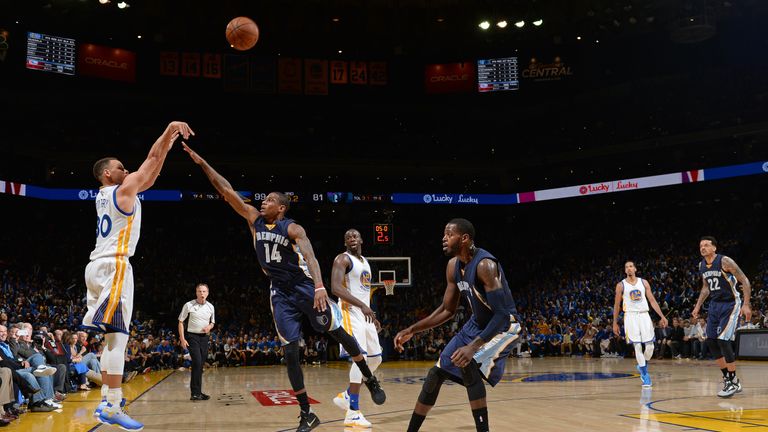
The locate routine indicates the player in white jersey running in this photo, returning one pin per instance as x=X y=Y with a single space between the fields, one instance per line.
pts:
x=638 y=327
x=351 y=282
x=109 y=275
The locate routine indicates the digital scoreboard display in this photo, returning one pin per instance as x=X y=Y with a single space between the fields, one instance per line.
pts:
x=499 y=74
x=51 y=53
x=383 y=234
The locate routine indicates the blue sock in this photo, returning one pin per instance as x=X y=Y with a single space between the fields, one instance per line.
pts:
x=644 y=369
x=354 y=400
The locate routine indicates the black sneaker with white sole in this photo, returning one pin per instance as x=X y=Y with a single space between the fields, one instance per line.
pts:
x=308 y=422
x=377 y=393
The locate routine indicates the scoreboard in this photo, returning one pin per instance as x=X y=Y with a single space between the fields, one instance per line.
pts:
x=51 y=53
x=499 y=74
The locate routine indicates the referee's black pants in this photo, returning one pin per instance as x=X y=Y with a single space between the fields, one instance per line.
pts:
x=198 y=350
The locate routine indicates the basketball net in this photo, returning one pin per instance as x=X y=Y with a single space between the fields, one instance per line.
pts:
x=389 y=286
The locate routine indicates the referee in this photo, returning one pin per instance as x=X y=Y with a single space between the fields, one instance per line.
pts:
x=195 y=338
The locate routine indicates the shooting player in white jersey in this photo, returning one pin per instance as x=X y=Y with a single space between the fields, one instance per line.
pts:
x=351 y=282
x=109 y=275
x=638 y=327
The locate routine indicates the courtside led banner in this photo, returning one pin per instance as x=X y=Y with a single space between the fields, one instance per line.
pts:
x=581 y=190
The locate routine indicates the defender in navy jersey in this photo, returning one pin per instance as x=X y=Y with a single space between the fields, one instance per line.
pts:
x=286 y=257
x=480 y=349
x=721 y=278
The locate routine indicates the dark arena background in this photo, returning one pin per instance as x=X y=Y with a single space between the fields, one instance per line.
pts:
x=574 y=134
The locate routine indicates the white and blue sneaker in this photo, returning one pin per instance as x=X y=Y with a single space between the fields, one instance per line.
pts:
x=342 y=400
x=645 y=378
x=356 y=419
x=120 y=419
x=102 y=405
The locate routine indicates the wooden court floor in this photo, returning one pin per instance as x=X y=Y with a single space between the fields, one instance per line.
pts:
x=558 y=394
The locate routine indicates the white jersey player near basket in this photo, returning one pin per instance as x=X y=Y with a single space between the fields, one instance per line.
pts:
x=109 y=275
x=636 y=294
x=351 y=282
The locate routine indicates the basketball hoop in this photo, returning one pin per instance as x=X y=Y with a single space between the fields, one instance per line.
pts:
x=389 y=286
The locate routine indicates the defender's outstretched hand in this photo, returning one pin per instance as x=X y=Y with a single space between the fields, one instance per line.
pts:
x=193 y=154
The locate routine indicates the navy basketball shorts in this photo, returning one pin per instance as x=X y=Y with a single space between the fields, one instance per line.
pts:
x=291 y=305
x=722 y=319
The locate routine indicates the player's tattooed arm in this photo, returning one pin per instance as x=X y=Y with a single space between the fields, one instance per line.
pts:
x=223 y=186
x=730 y=266
x=702 y=296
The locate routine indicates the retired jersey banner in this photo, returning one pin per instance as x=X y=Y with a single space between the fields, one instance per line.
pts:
x=316 y=77
x=169 y=63
x=106 y=62
x=263 y=75
x=377 y=73
x=211 y=65
x=190 y=64
x=339 y=72
x=236 y=73
x=450 y=78
x=289 y=76
x=358 y=72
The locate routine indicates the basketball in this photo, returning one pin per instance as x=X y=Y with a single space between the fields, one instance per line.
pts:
x=242 y=33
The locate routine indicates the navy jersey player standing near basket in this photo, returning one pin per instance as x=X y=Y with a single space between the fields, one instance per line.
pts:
x=479 y=350
x=286 y=256
x=721 y=277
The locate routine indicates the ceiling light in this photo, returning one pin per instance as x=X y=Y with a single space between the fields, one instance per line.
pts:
x=578 y=37
x=520 y=24
x=138 y=37
x=502 y=24
x=441 y=19
x=485 y=25
x=123 y=5
x=103 y=1
x=538 y=22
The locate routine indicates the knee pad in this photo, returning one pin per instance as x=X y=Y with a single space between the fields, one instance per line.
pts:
x=726 y=349
x=292 y=360
x=431 y=388
x=714 y=348
x=473 y=381
x=113 y=356
x=348 y=342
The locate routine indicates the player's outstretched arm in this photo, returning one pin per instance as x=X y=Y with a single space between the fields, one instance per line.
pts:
x=616 y=305
x=143 y=178
x=443 y=313
x=339 y=269
x=221 y=184
x=297 y=233
x=730 y=266
x=654 y=304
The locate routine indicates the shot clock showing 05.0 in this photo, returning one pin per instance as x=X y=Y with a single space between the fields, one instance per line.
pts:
x=383 y=234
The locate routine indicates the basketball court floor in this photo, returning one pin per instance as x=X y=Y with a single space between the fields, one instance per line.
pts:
x=552 y=394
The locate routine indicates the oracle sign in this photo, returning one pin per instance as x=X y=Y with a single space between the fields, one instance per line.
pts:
x=450 y=77
x=106 y=62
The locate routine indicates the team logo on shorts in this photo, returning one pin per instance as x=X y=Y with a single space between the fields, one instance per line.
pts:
x=365 y=279
x=635 y=295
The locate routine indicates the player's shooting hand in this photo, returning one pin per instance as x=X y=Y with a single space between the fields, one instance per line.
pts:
x=193 y=154
x=182 y=128
x=616 y=329
x=321 y=300
x=370 y=315
x=402 y=337
x=463 y=356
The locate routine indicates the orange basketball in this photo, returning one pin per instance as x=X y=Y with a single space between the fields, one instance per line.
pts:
x=242 y=33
